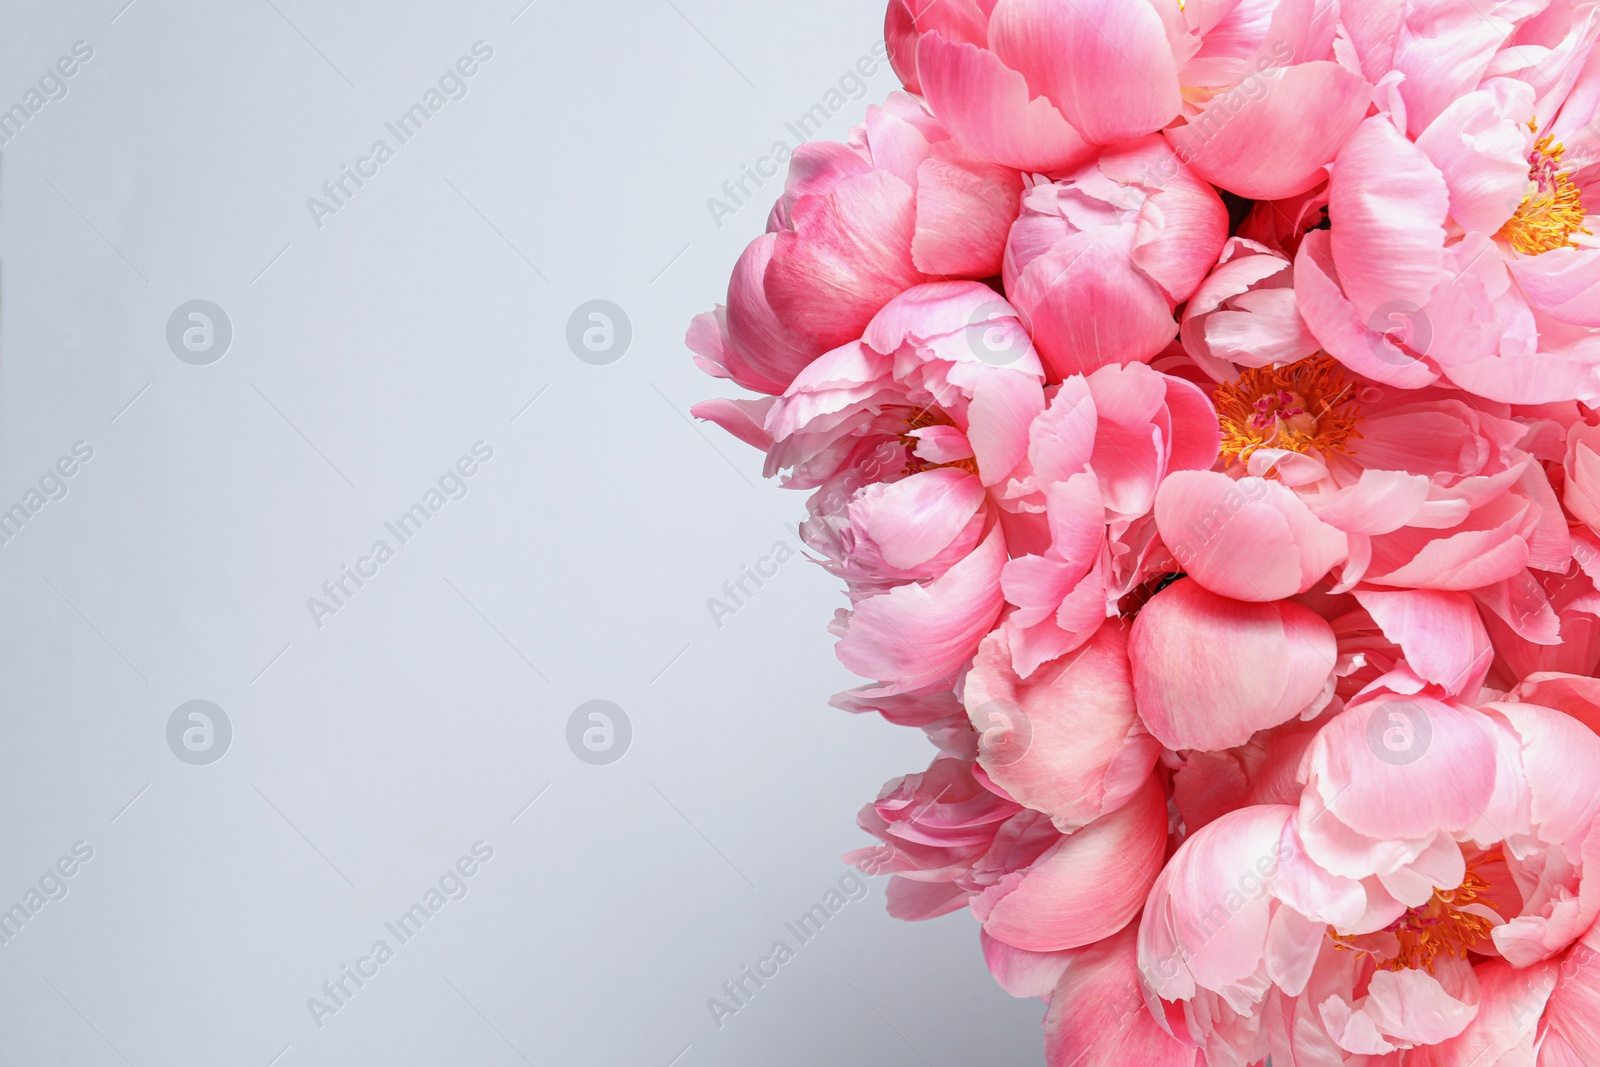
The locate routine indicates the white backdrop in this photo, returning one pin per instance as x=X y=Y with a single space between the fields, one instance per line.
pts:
x=189 y=496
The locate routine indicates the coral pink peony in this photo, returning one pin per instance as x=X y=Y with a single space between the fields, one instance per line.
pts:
x=1098 y=261
x=857 y=224
x=1200 y=407
x=1434 y=867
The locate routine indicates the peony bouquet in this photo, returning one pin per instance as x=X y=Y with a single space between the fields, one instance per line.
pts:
x=1200 y=404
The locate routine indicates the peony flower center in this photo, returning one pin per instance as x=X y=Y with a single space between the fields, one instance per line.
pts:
x=1305 y=407
x=1553 y=209
x=1444 y=926
x=923 y=419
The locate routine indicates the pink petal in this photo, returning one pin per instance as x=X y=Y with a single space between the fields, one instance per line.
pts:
x=1098 y=1017
x=848 y=255
x=1480 y=144
x=987 y=107
x=1561 y=757
x=1362 y=344
x=1388 y=204
x=1022 y=973
x=1440 y=633
x=1209 y=672
x=745 y=419
x=763 y=352
x=963 y=215
x=1249 y=539
x=1105 y=64
x=1088 y=306
x=1206 y=921
x=1067 y=741
x=1404 y=767
x=1085 y=888
x=916 y=518
x=1510 y=1006
x=1274 y=145
x=916 y=636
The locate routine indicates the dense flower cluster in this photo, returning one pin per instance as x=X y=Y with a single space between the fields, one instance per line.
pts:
x=1200 y=402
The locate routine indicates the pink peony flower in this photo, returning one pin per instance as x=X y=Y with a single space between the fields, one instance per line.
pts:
x=1460 y=247
x=1036 y=84
x=1095 y=459
x=858 y=224
x=1406 y=489
x=1432 y=874
x=1244 y=313
x=1098 y=261
x=906 y=433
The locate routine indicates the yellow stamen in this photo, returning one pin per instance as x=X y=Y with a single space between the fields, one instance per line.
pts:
x=1440 y=927
x=1553 y=209
x=1306 y=407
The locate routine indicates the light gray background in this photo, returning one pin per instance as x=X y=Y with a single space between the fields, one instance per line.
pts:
x=370 y=754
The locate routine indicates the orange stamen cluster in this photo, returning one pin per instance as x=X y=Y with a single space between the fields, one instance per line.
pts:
x=1553 y=209
x=1307 y=407
x=1440 y=927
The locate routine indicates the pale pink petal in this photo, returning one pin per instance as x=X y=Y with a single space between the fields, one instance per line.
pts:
x=1411 y=1007
x=1388 y=204
x=745 y=419
x=1022 y=973
x=916 y=518
x=1560 y=756
x=1404 y=767
x=1004 y=404
x=1209 y=672
x=1365 y=345
x=1480 y=144
x=1250 y=539
x=916 y=636
x=1206 y=922
x=1443 y=49
x=1380 y=501
x=1440 y=633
